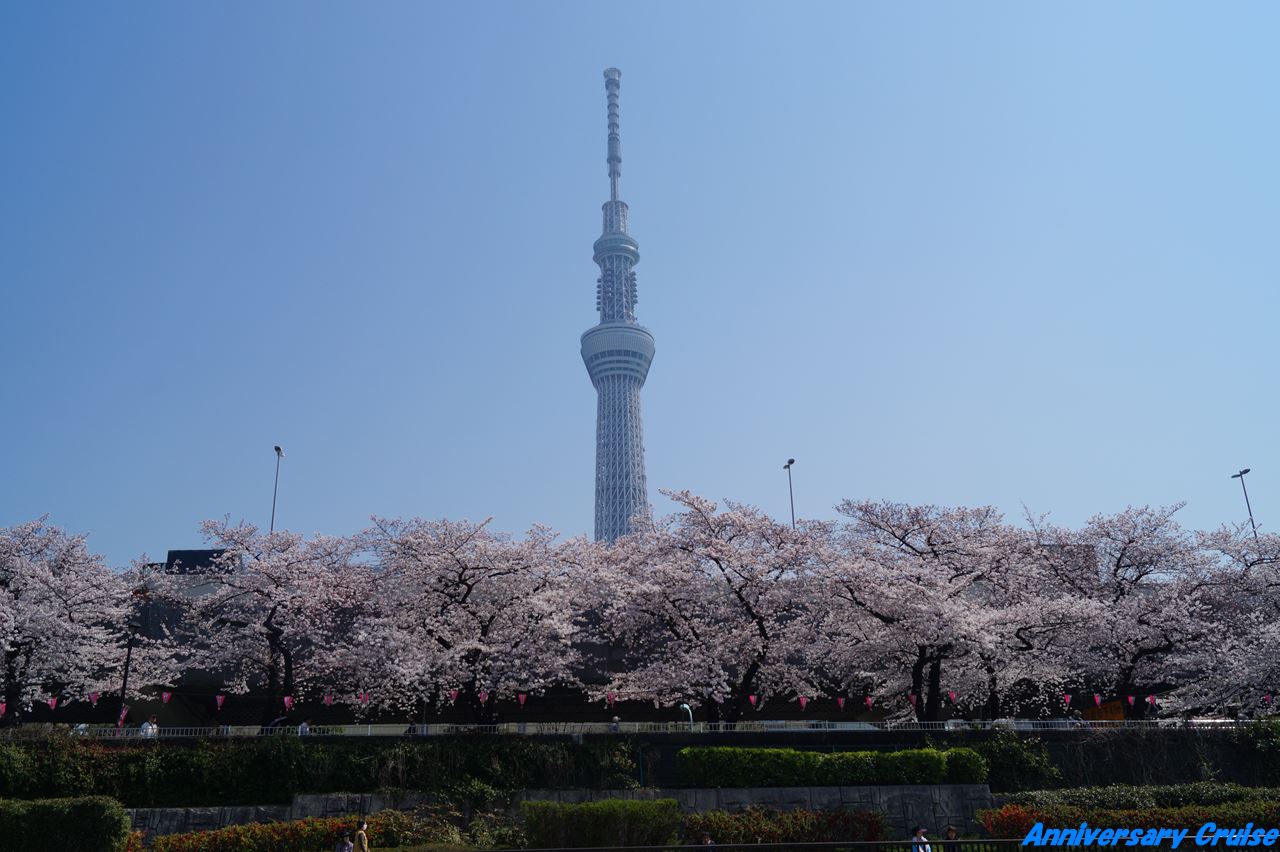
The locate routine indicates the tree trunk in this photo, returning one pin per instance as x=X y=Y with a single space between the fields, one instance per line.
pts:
x=992 y=709
x=12 y=689
x=933 y=705
x=917 y=683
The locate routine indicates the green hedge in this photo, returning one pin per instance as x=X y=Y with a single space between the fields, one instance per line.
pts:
x=610 y=822
x=86 y=824
x=966 y=766
x=726 y=766
x=1127 y=797
x=763 y=825
x=1018 y=763
x=272 y=769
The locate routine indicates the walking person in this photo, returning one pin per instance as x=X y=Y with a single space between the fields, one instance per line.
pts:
x=951 y=841
x=150 y=729
x=707 y=842
x=919 y=843
x=344 y=843
x=361 y=839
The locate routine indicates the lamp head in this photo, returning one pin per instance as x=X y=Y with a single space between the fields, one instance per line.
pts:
x=787 y=466
x=279 y=452
x=1240 y=474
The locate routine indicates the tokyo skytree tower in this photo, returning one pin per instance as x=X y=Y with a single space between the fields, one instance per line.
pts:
x=617 y=353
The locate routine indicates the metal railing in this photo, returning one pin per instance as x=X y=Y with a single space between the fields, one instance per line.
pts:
x=935 y=845
x=798 y=726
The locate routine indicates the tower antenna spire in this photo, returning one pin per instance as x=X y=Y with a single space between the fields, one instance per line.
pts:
x=617 y=353
x=612 y=82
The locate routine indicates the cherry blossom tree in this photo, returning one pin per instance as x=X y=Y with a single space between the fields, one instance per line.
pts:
x=710 y=607
x=936 y=598
x=270 y=614
x=1144 y=598
x=63 y=616
x=1240 y=667
x=462 y=608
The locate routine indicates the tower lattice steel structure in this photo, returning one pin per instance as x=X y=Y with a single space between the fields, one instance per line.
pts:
x=617 y=353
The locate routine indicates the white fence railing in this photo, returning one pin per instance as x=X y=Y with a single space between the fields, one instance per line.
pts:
x=617 y=728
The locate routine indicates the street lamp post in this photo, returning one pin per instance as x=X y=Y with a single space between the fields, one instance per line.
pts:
x=276 y=489
x=1240 y=476
x=790 y=491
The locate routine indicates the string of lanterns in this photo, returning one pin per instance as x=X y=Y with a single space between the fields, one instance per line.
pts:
x=364 y=698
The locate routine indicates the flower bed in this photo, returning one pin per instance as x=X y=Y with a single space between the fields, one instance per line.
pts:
x=1015 y=820
x=762 y=825
x=386 y=829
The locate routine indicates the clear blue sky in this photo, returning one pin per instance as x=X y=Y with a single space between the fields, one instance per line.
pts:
x=964 y=253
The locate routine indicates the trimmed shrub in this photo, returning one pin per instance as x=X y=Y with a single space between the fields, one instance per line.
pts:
x=386 y=828
x=1125 y=797
x=15 y=768
x=913 y=766
x=848 y=769
x=496 y=830
x=87 y=824
x=1016 y=763
x=609 y=822
x=785 y=767
x=770 y=826
x=1259 y=745
x=269 y=770
x=965 y=766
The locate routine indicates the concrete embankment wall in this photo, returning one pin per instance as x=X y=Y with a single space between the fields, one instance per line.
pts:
x=902 y=806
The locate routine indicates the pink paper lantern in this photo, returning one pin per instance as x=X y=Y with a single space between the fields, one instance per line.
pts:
x=952 y=696
x=868 y=701
x=804 y=702
x=522 y=697
x=1267 y=698
x=753 y=699
x=1151 y=699
x=453 y=695
x=328 y=699
x=52 y=702
x=840 y=701
x=1097 y=700
x=911 y=696
x=1130 y=697
x=288 y=702
x=219 y=700
x=484 y=697
x=93 y=698
x=1066 y=698
x=609 y=698
x=3 y=706
x=165 y=696
x=364 y=698
x=124 y=714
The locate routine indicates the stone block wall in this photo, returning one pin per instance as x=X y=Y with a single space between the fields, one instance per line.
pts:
x=903 y=807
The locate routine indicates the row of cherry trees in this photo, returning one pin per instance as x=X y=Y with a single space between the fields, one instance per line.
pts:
x=717 y=606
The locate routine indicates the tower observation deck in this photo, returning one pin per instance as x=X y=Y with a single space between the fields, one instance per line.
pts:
x=617 y=353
